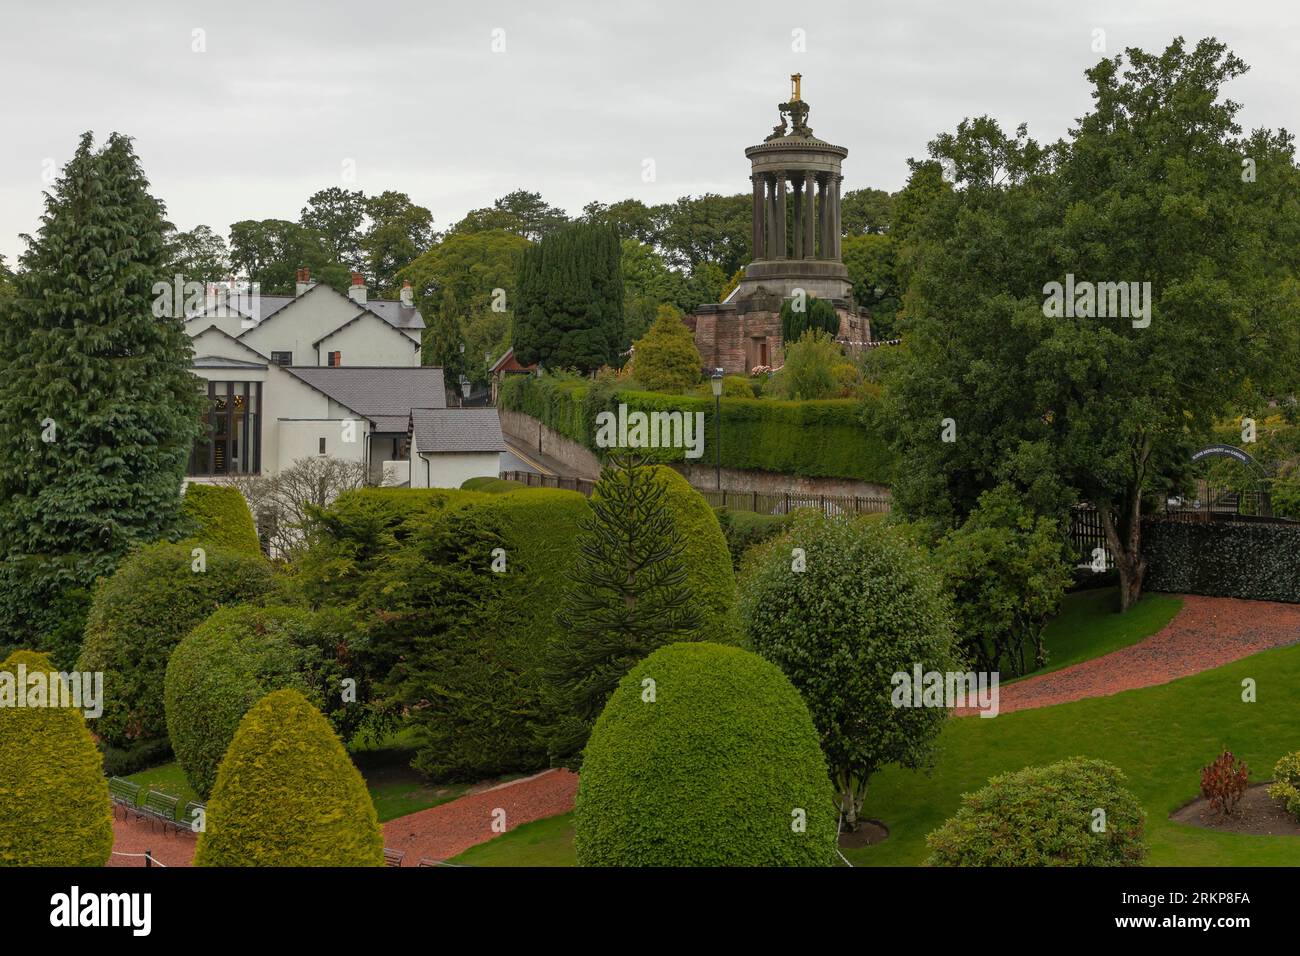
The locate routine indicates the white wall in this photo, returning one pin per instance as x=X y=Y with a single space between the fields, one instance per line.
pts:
x=301 y=439
x=451 y=470
x=317 y=312
x=370 y=341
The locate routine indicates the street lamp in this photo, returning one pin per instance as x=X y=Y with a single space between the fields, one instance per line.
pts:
x=716 y=383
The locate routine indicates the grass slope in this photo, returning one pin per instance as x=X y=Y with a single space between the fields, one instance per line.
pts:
x=1089 y=625
x=547 y=842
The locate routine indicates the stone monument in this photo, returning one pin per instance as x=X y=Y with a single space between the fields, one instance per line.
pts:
x=796 y=239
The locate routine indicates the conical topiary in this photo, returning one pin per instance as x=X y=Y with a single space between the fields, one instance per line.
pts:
x=287 y=794
x=54 y=806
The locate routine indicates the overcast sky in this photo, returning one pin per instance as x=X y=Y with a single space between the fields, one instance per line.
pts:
x=284 y=95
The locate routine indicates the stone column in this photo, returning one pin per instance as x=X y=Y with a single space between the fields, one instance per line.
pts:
x=758 y=215
x=835 y=216
x=821 y=217
x=781 y=247
x=796 y=234
x=770 y=221
x=809 y=219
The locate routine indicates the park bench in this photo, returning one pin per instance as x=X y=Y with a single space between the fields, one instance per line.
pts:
x=426 y=861
x=393 y=857
x=124 y=794
x=161 y=807
x=192 y=811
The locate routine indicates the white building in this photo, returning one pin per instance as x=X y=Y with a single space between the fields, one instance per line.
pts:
x=320 y=373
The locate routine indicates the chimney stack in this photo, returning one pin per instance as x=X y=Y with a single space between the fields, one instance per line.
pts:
x=358 y=291
x=304 y=281
x=408 y=297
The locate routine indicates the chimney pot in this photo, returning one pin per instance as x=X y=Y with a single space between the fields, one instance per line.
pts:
x=407 y=296
x=357 y=293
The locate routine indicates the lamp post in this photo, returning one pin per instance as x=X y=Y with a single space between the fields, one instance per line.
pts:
x=716 y=383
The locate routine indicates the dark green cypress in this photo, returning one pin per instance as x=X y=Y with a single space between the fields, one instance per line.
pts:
x=569 y=303
x=98 y=407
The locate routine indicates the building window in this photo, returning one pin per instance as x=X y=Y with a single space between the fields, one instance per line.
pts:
x=322 y=445
x=231 y=441
x=282 y=358
x=335 y=359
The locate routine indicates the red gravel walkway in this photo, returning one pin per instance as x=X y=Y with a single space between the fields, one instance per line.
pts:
x=132 y=836
x=1207 y=632
x=441 y=832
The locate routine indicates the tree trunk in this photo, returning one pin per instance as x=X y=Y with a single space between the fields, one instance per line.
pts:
x=1125 y=542
x=849 y=803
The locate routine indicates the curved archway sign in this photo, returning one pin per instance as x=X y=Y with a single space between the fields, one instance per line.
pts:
x=1240 y=455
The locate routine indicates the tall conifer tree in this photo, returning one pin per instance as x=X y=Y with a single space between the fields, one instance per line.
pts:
x=98 y=407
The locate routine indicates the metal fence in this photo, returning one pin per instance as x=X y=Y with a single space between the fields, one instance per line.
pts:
x=778 y=503
x=1087 y=536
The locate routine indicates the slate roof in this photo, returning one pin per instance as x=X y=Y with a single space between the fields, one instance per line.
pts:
x=223 y=361
x=386 y=396
x=456 y=430
x=395 y=314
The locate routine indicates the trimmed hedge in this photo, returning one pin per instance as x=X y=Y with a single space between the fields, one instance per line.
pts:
x=1260 y=562
x=223 y=667
x=222 y=517
x=287 y=794
x=1044 y=816
x=141 y=613
x=491 y=485
x=54 y=806
x=821 y=439
x=717 y=769
x=744 y=529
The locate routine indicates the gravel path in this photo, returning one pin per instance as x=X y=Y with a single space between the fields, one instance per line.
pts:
x=1207 y=632
x=441 y=832
x=135 y=836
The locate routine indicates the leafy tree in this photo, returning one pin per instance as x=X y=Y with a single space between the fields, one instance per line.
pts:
x=873 y=269
x=648 y=283
x=1006 y=571
x=521 y=212
x=199 y=255
x=399 y=232
x=569 y=300
x=1149 y=189
x=443 y=344
x=98 y=408
x=665 y=359
x=269 y=252
x=336 y=215
x=866 y=606
x=632 y=219
x=706 y=229
x=628 y=593
x=865 y=211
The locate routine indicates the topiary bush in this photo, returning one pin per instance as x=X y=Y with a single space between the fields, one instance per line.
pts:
x=141 y=613
x=222 y=518
x=1046 y=816
x=228 y=663
x=54 y=806
x=665 y=359
x=287 y=794
x=1286 y=786
x=704 y=756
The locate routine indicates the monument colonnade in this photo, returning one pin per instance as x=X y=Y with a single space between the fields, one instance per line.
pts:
x=816 y=232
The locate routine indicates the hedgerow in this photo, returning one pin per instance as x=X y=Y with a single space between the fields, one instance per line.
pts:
x=704 y=756
x=1075 y=812
x=287 y=794
x=831 y=439
x=54 y=807
x=156 y=596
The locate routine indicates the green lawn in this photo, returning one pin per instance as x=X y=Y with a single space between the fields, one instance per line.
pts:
x=1159 y=736
x=547 y=842
x=1088 y=625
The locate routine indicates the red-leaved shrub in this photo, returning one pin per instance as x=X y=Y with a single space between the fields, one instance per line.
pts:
x=1224 y=782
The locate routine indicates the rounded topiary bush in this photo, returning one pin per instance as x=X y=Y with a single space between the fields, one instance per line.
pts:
x=1046 y=816
x=222 y=517
x=223 y=667
x=287 y=794
x=54 y=806
x=704 y=756
x=708 y=559
x=140 y=614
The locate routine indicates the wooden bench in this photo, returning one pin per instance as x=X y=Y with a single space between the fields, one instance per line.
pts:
x=124 y=794
x=425 y=861
x=393 y=857
x=161 y=807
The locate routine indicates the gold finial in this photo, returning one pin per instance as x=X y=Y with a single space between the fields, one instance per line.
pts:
x=794 y=83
